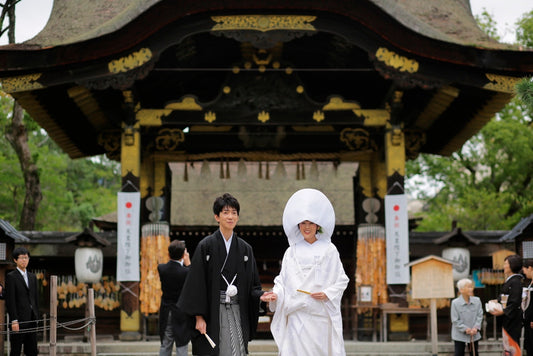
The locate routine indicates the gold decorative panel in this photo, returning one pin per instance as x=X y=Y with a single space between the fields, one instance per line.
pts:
x=394 y=60
x=501 y=83
x=21 y=83
x=152 y=117
x=373 y=117
x=132 y=61
x=263 y=23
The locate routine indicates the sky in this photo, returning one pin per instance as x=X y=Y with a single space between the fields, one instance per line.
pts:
x=32 y=16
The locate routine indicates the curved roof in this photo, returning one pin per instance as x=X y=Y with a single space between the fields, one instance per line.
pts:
x=450 y=21
x=295 y=79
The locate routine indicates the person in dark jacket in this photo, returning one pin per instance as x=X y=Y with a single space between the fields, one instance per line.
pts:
x=174 y=325
x=511 y=301
x=527 y=306
x=22 y=301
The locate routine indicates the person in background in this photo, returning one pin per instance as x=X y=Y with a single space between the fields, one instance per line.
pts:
x=467 y=315
x=511 y=301
x=174 y=325
x=222 y=290
x=22 y=301
x=307 y=293
x=527 y=307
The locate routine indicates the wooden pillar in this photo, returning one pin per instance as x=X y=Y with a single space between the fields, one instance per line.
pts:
x=395 y=159
x=130 y=317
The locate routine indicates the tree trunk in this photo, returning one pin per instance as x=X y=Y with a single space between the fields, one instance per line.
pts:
x=17 y=136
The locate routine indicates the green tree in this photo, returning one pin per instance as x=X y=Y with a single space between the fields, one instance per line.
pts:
x=16 y=134
x=487 y=24
x=74 y=191
x=487 y=184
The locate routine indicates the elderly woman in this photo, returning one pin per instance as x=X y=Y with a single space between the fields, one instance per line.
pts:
x=467 y=315
x=307 y=293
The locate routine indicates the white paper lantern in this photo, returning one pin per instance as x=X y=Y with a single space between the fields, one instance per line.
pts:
x=461 y=258
x=89 y=263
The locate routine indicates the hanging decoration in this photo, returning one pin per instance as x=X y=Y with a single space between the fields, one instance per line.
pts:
x=371 y=268
x=154 y=250
x=72 y=294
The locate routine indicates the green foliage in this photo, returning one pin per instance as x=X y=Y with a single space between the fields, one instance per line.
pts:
x=488 y=184
x=74 y=191
x=524 y=31
x=487 y=24
x=524 y=89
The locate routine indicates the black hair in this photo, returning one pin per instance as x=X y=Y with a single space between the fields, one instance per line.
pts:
x=226 y=200
x=20 y=251
x=515 y=263
x=176 y=249
x=527 y=262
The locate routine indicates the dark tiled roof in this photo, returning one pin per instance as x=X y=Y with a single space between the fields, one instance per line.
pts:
x=88 y=238
x=457 y=236
x=432 y=236
x=10 y=231
x=519 y=228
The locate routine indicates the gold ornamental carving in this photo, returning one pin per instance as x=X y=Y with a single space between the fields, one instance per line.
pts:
x=263 y=23
x=414 y=141
x=501 y=83
x=338 y=103
x=187 y=103
x=132 y=61
x=169 y=139
x=21 y=83
x=318 y=116
x=210 y=116
x=110 y=141
x=357 y=139
x=394 y=60
x=263 y=116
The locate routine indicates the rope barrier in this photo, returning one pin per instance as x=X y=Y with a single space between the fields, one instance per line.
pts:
x=66 y=325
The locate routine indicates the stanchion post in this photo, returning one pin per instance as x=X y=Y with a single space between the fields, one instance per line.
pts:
x=45 y=324
x=434 y=331
x=92 y=333
x=53 y=315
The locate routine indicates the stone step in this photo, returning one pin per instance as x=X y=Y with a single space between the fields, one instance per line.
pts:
x=268 y=348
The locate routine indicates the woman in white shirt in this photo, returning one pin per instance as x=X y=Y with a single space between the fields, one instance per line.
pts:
x=307 y=293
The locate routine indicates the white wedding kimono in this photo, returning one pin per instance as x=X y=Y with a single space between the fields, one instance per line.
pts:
x=301 y=324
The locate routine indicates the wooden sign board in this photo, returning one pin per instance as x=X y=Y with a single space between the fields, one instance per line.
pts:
x=432 y=277
x=499 y=256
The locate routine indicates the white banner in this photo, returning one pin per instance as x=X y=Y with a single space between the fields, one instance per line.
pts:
x=397 y=233
x=128 y=215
